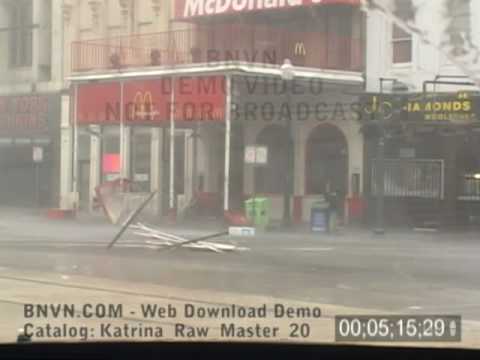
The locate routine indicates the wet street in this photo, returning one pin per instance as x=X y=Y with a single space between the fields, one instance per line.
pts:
x=402 y=272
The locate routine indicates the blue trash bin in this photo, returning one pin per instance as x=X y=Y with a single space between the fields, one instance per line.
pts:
x=319 y=217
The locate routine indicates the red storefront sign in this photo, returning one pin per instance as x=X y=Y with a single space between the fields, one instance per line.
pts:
x=148 y=102
x=200 y=99
x=185 y=9
x=96 y=103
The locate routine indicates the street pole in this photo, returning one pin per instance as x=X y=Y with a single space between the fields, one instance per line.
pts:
x=195 y=137
x=172 y=201
x=37 y=184
x=228 y=130
x=380 y=168
x=287 y=74
x=75 y=169
x=380 y=172
x=287 y=221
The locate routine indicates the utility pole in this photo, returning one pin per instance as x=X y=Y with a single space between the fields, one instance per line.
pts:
x=287 y=76
x=380 y=176
x=380 y=163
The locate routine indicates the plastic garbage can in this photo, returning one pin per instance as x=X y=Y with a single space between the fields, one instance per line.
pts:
x=319 y=217
x=258 y=211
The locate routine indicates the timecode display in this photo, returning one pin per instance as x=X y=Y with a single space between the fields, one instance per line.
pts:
x=398 y=328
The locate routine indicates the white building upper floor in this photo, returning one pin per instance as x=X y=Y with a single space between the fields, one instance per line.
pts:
x=393 y=53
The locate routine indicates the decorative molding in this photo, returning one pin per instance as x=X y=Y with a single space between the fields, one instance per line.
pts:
x=67 y=13
x=125 y=6
x=95 y=8
x=156 y=7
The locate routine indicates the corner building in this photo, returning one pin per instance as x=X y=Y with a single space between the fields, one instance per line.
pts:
x=220 y=64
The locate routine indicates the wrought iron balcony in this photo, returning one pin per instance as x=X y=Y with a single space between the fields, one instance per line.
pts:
x=227 y=42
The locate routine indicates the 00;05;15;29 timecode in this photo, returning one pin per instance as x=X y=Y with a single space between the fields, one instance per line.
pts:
x=398 y=328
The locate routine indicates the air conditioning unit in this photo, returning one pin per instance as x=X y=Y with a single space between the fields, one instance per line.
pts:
x=155 y=57
x=115 y=61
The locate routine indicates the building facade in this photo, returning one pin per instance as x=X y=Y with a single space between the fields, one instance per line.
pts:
x=95 y=30
x=31 y=82
x=220 y=64
x=432 y=162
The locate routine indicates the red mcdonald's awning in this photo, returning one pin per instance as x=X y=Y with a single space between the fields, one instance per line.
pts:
x=147 y=102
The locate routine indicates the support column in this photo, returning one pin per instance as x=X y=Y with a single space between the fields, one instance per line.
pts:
x=126 y=154
x=75 y=196
x=299 y=160
x=189 y=169
x=66 y=154
x=36 y=37
x=156 y=169
x=172 y=194
x=228 y=103
x=249 y=174
x=95 y=164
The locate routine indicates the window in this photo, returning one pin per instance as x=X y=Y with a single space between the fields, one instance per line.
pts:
x=401 y=40
x=339 y=37
x=21 y=33
x=402 y=45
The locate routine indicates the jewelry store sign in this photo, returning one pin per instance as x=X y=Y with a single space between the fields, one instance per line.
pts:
x=433 y=108
x=459 y=108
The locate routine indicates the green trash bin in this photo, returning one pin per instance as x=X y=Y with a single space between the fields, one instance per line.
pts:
x=258 y=211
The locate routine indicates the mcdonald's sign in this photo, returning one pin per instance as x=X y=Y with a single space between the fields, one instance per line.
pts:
x=143 y=108
x=185 y=9
x=300 y=49
x=146 y=101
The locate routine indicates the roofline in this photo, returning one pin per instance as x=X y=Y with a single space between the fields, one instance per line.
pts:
x=232 y=67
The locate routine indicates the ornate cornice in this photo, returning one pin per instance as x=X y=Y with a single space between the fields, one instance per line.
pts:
x=95 y=8
x=67 y=10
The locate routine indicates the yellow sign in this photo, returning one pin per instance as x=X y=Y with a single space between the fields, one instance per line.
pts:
x=454 y=109
x=437 y=107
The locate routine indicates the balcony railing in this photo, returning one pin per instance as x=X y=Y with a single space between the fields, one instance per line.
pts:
x=255 y=44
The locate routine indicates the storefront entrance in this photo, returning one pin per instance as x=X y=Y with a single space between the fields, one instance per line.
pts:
x=28 y=162
x=327 y=163
x=23 y=182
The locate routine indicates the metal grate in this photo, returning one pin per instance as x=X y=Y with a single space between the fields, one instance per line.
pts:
x=469 y=188
x=419 y=178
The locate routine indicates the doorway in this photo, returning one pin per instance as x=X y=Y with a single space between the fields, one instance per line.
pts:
x=327 y=163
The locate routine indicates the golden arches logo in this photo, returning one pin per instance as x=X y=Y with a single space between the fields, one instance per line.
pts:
x=300 y=49
x=143 y=107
